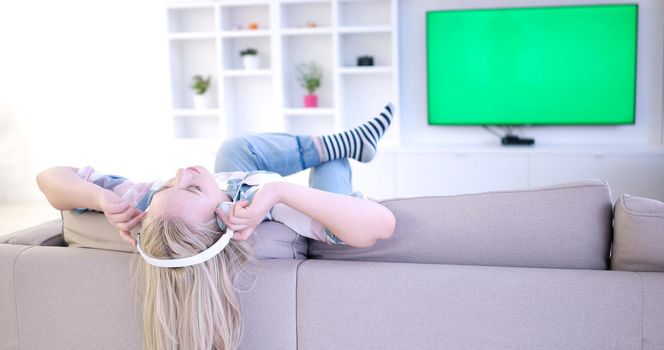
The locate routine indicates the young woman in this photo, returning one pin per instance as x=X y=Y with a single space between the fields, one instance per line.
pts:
x=194 y=226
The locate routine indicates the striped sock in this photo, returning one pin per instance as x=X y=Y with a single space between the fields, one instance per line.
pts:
x=359 y=143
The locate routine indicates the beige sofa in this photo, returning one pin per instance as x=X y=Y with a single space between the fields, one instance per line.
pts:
x=524 y=269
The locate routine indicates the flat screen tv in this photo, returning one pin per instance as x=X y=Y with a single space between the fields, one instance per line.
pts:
x=562 y=65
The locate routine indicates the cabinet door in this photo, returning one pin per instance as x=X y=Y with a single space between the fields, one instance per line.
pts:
x=636 y=174
x=430 y=174
x=375 y=179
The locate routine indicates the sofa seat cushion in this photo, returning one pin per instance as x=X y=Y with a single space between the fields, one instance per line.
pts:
x=564 y=226
x=638 y=237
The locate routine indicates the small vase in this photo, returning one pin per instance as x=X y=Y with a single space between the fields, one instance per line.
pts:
x=203 y=101
x=250 y=61
x=310 y=101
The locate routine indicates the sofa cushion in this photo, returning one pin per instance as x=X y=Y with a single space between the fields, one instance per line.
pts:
x=638 y=234
x=90 y=229
x=564 y=226
x=47 y=233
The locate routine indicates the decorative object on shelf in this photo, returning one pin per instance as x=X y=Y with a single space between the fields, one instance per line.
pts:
x=312 y=24
x=252 y=25
x=365 y=60
x=249 y=58
x=309 y=75
x=202 y=99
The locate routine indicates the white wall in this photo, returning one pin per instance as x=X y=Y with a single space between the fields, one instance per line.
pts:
x=83 y=82
x=648 y=129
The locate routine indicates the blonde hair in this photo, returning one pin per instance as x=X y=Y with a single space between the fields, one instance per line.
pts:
x=192 y=307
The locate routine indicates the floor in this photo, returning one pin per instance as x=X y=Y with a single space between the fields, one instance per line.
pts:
x=16 y=216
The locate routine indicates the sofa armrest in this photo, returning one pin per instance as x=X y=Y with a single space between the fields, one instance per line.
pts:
x=48 y=233
x=638 y=234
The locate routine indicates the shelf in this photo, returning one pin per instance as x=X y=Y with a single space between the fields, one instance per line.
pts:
x=246 y=72
x=246 y=33
x=206 y=37
x=184 y=6
x=309 y=111
x=306 y=31
x=231 y=48
x=365 y=29
x=190 y=112
x=192 y=36
x=360 y=1
x=371 y=43
x=301 y=49
x=190 y=19
x=365 y=13
x=241 y=14
x=236 y=3
x=304 y=1
x=365 y=70
x=306 y=14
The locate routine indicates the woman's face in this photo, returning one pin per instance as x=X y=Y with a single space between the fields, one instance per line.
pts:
x=192 y=195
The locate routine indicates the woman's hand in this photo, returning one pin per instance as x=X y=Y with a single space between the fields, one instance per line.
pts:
x=122 y=215
x=244 y=217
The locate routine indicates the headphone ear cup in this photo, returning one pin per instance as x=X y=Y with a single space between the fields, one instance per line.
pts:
x=226 y=208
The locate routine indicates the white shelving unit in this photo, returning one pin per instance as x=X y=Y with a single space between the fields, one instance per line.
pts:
x=205 y=38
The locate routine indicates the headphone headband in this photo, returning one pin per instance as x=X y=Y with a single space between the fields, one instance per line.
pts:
x=201 y=257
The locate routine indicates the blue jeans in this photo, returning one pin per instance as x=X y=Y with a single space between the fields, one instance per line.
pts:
x=284 y=154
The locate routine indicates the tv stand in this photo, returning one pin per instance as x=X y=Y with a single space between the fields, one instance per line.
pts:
x=509 y=138
x=513 y=140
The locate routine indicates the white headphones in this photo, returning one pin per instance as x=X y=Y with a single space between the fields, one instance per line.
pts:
x=201 y=257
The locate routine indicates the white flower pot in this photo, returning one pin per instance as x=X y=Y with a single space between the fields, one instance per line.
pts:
x=203 y=101
x=250 y=61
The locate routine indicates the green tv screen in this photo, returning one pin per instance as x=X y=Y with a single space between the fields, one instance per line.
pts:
x=532 y=66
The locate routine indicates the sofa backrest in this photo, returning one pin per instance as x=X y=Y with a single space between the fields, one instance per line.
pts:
x=564 y=226
x=70 y=298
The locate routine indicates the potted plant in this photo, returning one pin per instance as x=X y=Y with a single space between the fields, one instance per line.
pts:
x=249 y=58
x=202 y=98
x=309 y=75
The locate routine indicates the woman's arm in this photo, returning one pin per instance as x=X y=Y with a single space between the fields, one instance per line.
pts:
x=64 y=190
x=358 y=222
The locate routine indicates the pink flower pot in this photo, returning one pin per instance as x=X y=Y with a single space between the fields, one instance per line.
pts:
x=310 y=101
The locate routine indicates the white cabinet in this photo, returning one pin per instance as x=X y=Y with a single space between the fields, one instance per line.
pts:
x=206 y=38
x=450 y=173
x=376 y=179
x=412 y=172
x=638 y=174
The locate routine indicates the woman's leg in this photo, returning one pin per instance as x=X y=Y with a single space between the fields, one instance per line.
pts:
x=282 y=153
x=287 y=154
x=359 y=143
x=333 y=176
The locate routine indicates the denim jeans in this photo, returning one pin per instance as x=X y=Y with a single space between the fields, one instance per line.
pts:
x=284 y=154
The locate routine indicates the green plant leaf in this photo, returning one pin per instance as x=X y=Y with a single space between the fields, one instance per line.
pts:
x=309 y=75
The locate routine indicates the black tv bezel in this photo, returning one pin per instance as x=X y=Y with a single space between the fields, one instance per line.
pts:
x=636 y=56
